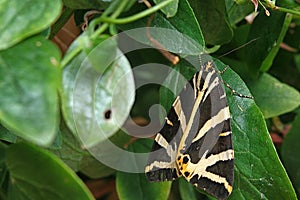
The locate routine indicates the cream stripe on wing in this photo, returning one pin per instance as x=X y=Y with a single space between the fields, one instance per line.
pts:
x=161 y=141
x=222 y=156
x=199 y=168
x=223 y=96
x=214 y=84
x=194 y=111
x=178 y=110
x=195 y=86
x=222 y=115
x=164 y=143
x=161 y=165
x=218 y=179
x=199 y=79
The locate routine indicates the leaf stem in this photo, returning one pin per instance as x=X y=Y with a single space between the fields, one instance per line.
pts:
x=119 y=7
x=69 y=56
x=287 y=10
x=136 y=16
x=212 y=49
x=74 y=52
x=118 y=11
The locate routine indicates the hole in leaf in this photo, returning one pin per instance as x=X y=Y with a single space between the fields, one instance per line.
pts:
x=107 y=114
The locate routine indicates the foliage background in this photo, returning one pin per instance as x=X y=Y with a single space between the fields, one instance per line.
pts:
x=41 y=156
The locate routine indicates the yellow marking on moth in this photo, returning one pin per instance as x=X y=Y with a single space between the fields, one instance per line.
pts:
x=169 y=122
x=222 y=115
x=181 y=164
x=225 y=134
x=199 y=168
x=229 y=188
x=208 y=66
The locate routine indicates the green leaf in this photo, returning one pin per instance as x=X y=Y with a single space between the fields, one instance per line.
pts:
x=91 y=4
x=136 y=186
x=258 y=169
x=176 y=80
x=260 y=54
x=79 y=159
x=267 y=91
x=96 y=104
x=94 y=169
x=268 y=61
x=131 y=186
x=237 y=11
x=171 y=9
x=3 y=169
x=186 y=190
x=6 y=135
x=19 y=20
x=29 y=78
x=37 y=174
x=70 y=151
x=175 y=34
x=297 y=61
x=294 y=5
x=213 y=21
x=290 y=154
x=189 y=27
x=57 y=142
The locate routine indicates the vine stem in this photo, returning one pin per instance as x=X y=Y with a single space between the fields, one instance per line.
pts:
x=104 y=26
x=272 y=5
x=136 y=16
x=295 y=12
x=112 y=20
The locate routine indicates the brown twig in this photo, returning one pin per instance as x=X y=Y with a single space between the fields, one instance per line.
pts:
x=171 y=57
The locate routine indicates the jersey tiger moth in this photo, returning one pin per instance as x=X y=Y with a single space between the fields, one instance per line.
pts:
x=195 y=141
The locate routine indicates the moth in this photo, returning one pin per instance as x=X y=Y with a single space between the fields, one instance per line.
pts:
x=195 y=140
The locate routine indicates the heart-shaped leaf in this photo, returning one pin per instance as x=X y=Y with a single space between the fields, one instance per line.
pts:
x=98 y=91
x=37 y=174
x=29 y=78
x=21 y=19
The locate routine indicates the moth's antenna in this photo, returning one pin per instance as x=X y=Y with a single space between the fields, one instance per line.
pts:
x=200 y=59
x=247 y=43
